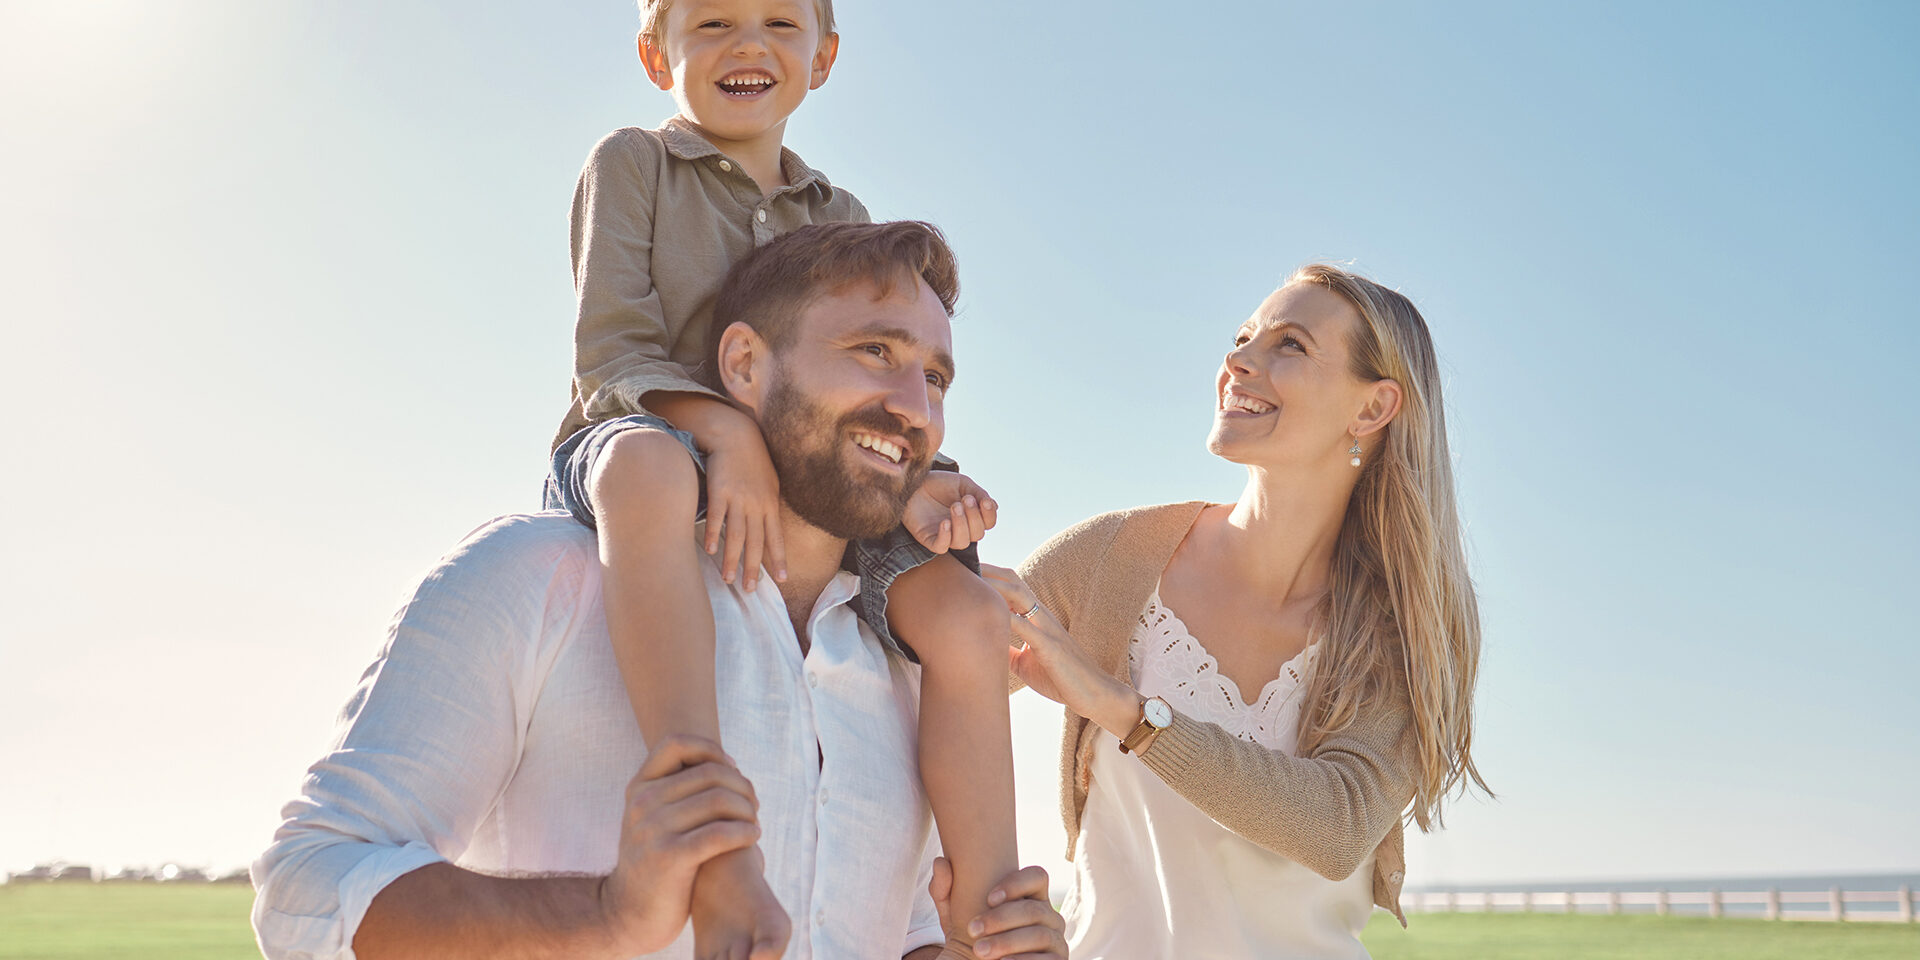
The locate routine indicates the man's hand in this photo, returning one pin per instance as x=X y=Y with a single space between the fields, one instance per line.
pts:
x=949 y=512
x=1020 y=923
x=687 y=805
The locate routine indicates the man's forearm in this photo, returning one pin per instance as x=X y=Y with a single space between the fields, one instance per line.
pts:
x=441 y=910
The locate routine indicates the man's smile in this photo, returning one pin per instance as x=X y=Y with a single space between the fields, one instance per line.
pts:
x=883 y=451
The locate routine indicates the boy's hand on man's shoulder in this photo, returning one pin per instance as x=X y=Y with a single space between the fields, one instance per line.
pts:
x=949 y=512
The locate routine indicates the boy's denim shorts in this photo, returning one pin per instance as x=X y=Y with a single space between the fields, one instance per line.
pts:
x=878 y=562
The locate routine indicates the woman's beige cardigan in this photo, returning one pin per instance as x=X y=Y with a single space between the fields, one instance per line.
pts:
x=1327 y=811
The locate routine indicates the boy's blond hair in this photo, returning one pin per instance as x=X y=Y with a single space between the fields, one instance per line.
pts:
x=653 y=18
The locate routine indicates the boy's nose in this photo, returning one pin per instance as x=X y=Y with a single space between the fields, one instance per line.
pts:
x=750 y=39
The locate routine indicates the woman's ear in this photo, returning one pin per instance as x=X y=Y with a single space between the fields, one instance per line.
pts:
x=1383 y=404
x=743 y=365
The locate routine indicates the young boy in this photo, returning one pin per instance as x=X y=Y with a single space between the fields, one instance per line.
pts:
x=658 y=218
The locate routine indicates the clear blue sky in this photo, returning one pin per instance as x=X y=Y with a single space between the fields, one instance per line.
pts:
x=287 y=312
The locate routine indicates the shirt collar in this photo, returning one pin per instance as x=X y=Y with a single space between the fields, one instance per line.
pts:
x=685 y=142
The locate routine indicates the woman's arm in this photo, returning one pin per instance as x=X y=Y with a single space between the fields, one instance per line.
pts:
x=1327 y=811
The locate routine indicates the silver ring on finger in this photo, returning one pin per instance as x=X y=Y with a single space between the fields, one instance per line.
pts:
x=1028 y=616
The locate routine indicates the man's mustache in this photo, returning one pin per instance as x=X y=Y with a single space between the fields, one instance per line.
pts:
x=875 y=419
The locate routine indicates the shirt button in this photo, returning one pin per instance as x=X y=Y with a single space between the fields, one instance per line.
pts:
x=823 y=796
x=725 y=166
x=813 y=680
x=760 y=215
x=820 y=917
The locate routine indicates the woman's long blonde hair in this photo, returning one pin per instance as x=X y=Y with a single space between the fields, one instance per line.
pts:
x=1400 y=605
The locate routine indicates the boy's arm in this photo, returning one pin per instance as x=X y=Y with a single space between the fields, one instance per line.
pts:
x=620 y=334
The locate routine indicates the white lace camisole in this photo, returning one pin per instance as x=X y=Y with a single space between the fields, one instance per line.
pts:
x=1156 y=878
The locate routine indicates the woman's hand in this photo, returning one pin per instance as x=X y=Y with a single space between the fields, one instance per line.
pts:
x=1054 y=665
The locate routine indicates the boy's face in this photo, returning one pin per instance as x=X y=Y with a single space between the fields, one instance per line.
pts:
x=738 y=68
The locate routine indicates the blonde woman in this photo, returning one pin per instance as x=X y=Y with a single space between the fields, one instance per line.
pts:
x=1258 y=692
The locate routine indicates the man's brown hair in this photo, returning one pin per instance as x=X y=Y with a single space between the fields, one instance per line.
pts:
x=653 y=18
x=769 y=288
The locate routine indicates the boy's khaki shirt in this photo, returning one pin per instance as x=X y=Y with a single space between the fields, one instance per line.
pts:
x=658 y=217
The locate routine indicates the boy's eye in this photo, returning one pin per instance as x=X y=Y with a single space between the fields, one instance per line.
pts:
x=710 y=24
x=782 y=23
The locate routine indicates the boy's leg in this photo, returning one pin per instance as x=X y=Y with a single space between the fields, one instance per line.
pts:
x=958 y=627
x=642 y=490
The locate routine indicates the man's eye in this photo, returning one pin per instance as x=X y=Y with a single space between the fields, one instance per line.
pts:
x=878 y=350
x=937 y=381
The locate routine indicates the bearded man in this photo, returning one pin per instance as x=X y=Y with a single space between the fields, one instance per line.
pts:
x=480 y=799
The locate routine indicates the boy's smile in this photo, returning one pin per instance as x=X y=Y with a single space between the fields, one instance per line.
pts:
x=739 y=68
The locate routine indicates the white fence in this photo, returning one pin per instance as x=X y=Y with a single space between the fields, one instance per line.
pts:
x=1773 y=903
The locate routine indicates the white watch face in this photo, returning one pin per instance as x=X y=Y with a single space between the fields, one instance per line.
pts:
x=1159 y=714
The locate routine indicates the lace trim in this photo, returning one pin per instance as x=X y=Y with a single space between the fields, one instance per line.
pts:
x=1167 y=661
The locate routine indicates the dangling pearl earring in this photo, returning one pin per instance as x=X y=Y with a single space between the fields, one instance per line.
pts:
x=1355 y=451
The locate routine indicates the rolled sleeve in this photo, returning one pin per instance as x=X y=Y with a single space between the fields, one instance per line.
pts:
x=425 y=746
x=923 y=927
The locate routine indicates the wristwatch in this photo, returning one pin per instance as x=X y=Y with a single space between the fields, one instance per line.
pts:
x=1155 y=716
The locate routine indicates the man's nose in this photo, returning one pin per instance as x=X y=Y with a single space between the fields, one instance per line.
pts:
x=907 y=398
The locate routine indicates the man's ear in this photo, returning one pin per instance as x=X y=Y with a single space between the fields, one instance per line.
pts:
x=1383 y=404
x=654 y=59
x=744 y=364
x=823 y=60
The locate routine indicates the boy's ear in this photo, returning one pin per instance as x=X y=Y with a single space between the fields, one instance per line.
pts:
x=1383 y=404
x=654 y=59
x=823 y=60
x=744 y=365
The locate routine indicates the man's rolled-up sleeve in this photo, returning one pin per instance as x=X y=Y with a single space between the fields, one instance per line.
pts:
x=422 y=752
x=923 y=925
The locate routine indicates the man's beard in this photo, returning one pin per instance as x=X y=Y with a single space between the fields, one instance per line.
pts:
x=816 y=481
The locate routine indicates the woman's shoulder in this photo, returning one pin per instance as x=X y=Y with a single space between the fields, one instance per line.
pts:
x=1135 y=529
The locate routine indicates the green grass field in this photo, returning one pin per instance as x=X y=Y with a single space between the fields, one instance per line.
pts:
x=209 y=922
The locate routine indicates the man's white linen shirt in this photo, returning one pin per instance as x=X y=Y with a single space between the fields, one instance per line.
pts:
x=494 y=732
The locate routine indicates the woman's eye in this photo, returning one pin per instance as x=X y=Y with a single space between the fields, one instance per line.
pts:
x=1291 y=342
x=1240 y=340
